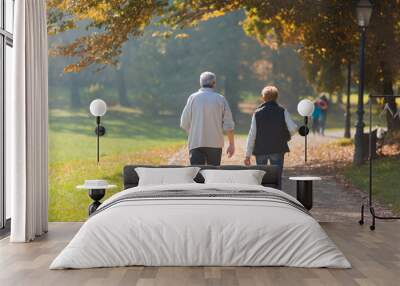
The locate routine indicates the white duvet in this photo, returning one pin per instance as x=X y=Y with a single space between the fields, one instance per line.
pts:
x=200 y=231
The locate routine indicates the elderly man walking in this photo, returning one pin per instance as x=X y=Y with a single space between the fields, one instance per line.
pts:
x=205 y=118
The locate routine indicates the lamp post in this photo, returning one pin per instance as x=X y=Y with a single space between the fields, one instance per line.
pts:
x=98 y=108
x=347 y=131
x=364 y=11
x=305 y=108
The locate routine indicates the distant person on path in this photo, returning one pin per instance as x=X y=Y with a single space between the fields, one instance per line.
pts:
x=270 y=131
x=205 y=118
x=324 y=106
x=315 y=118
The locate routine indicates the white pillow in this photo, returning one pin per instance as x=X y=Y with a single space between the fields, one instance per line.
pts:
x=248 y=177
x=166 y=176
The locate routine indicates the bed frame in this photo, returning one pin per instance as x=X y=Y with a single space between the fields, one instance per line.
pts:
x=270 y=179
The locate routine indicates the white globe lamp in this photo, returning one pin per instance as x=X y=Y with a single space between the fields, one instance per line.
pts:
x=98 y=108
x=305 y=108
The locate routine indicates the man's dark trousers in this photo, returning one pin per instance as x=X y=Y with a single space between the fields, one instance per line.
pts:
x=205 y=156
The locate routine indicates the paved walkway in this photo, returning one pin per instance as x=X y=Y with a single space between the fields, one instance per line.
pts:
x=333 y=201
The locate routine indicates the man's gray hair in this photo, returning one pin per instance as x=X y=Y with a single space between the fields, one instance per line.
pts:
x=207 y=79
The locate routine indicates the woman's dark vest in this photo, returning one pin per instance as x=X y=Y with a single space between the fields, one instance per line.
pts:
x=272 y=132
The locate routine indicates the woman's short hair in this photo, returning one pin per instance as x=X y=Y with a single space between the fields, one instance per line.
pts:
x=270 y=92
x=207 y=79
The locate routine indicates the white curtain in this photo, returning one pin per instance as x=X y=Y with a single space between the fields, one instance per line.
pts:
x=26 y=123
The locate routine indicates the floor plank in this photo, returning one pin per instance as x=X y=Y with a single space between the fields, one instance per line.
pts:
x=375 y=257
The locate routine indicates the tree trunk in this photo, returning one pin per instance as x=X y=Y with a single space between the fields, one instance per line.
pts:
x=392 y=122
x=231 y=93
x=75 y=98
x=122 y=93
x=339 y=95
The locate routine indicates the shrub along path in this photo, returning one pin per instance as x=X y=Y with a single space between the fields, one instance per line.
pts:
x=334 y=199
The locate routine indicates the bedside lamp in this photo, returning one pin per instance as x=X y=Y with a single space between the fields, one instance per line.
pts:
x=305 y=108
x=98 y=108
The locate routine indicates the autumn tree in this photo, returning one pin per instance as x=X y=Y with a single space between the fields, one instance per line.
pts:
x=328 y=37
x=325 y=32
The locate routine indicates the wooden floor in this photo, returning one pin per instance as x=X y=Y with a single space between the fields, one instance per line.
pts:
x=375 y=257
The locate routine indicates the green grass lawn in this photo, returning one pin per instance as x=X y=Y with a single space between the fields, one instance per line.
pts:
x=131 y=138
x=386 y=187
x=134 y=138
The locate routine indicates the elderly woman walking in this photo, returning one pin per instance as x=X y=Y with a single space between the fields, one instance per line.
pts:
x=205 y=118
x=271 y=129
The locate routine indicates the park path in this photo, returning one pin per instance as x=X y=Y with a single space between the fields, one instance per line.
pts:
x=334 y=201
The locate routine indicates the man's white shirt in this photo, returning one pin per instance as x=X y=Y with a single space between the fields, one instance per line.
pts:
x=205 y=118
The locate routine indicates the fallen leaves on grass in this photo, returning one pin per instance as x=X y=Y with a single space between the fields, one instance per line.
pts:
x=324 y=154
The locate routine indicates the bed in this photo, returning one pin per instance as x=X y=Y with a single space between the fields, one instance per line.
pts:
x=199 y=224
